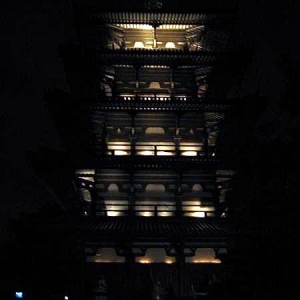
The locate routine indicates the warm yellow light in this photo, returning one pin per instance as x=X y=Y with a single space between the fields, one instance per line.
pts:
x=199 y=214
x=207 y=208
x=169 y=261
x=190 y=147
x=202 y=261
x=155 y=67
x=164 y=153
x=144 y=261
x=146 y=214
x=194 y=206
x=113 y=213
x=194 y=203
x=146 y=153
x=154 y=85
x=189 y=153
x=119 y=152
x=85 y=171
x=136 y=26
x=165 y=214
x=138 y=45
x=149 y=27
x=170 y=45
x=118 y=145
x=175 y=26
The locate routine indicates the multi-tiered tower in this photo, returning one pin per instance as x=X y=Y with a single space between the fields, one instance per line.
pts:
x=143 y=125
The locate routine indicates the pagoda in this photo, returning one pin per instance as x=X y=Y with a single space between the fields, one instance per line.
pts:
x=146 y=181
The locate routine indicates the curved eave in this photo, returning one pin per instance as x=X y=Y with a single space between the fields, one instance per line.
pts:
x=158 y=105
x=140 y=57
x=157 y=162
x=166 y=57
x=149 y=230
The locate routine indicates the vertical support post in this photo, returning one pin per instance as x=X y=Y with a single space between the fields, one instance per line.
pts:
x=132 y=137
x=131 y=197
x=154 y=35
x=172 y=81
x=177 y=136
x=172 y=77
x=179 y=209
x=137 y=83
x=205 y=137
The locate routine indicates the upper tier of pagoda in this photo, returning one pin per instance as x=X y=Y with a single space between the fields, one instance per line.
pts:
x=155 y=30
x=144 y=54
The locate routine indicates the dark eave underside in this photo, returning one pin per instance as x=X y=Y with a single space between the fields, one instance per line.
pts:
x=151 y=227
x=180 y=164
x=96 y=16
x=140 y=228
x=158 y=105
x=140 y=57
x=157 y=57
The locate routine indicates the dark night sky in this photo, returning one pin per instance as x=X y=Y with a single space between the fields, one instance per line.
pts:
x=31 y=33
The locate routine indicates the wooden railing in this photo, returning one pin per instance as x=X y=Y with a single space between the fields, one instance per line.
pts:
x=154 y=210
x=169 y=149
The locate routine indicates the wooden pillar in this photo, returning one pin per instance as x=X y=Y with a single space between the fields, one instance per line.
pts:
x=177 y=136
x=154 y=35
x=172 y=77
x=131 y=197
x=172 y=80
x=132 y=136
x=205 y=145
x=179 y=197
x=137 y=83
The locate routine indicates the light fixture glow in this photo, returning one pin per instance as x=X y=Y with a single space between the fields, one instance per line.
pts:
x=165 y=214
x=85 y=171
x=169 y=261
x=145 y=153
x=136 y=26
x=149 y=27
x=118 y=145
x=112 y=213
x=170 y=45
x=146 y=214
x=199 y=214
x=138 y=45
x=119 y=152
x=165 y=153
x=19 y=295
x=189 y=153
x=154 y=85
x=202 y=261
x=144 y=261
